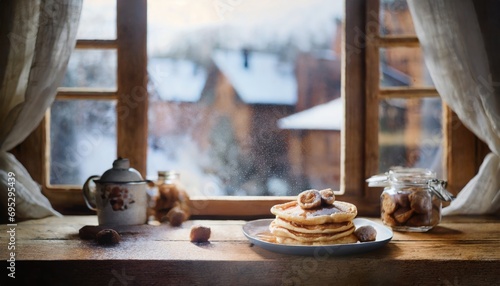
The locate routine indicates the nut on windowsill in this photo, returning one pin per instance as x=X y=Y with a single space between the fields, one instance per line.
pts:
x=107 y=237
x=199 y=233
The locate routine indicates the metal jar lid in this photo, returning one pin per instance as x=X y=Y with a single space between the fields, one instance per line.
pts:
x=412 y=176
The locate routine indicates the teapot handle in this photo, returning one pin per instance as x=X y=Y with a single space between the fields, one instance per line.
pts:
x=90 y=194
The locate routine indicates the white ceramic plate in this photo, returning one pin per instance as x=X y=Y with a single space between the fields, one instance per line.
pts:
x=254 y=231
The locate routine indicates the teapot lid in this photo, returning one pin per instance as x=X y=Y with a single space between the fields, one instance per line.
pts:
x=121 y=173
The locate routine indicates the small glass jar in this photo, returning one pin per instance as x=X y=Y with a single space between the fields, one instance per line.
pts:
x=172 y=199
x=163 y=195
x=412 y=199
x=168 y=189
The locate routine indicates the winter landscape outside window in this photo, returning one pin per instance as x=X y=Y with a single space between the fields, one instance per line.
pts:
x=239 y=93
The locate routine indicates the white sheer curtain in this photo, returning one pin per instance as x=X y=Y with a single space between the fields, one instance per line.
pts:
x=36 y=40
x=460 y=40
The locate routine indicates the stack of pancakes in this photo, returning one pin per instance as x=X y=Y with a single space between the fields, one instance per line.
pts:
x=329 y=222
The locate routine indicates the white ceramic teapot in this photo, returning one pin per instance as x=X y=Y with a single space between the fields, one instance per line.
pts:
x=120 y=195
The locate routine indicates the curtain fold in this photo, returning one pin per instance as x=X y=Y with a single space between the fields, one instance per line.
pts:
x=37 y=38
x=457 y=45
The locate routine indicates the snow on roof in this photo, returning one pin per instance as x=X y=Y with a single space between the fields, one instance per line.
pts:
x=394 y=77
x=176 y=79
x=266 y=80
x=327 y=116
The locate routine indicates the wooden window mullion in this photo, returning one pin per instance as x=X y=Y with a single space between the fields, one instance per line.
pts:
x=372 y=87
x=132 y=106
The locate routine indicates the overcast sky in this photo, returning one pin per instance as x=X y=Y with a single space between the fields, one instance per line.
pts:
x=237 y=23
x=178 y=24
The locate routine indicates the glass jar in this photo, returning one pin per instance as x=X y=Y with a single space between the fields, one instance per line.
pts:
x=172 y=200
x=167 y=192
x=412 y=198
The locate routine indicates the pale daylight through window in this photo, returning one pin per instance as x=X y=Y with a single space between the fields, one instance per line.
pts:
x=245 y=95
x=410 y=128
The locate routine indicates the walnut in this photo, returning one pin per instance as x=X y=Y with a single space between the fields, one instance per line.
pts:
x=176 y=216
x=167 y=197
x=107 y=237
x=402 y=199
x=419 y=220
x=420 y=202
x=388 y=219
x=172 y=204
x=402 y=215
x=388 y=203
x=366 y=233
x=199 y=233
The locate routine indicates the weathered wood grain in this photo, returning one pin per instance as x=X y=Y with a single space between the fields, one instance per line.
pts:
x=460 y=251
x=292 y=271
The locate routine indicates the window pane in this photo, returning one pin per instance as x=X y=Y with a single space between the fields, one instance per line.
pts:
x=410 y=134
x=82 y=138
x=403 y=67
x=244 y=95
x=98 y=20
x=395 y=18
x=91 y=68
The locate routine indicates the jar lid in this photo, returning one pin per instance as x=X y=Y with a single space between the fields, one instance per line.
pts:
x=121 y=173
x=412 y=177
x=172 y=174
x=401 y=175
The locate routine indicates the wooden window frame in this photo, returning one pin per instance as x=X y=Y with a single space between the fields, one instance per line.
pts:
x=460 y=145
x=360 y=93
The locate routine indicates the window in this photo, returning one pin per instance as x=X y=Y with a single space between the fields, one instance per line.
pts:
x=405 y=115
x=83 y=118
x=230 y=83
x=383 y=81
x=407 y=124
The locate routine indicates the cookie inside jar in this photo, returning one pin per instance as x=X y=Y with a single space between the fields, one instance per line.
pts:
x=410 y=209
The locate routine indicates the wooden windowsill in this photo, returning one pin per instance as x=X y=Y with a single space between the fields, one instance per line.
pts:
x=462 y=250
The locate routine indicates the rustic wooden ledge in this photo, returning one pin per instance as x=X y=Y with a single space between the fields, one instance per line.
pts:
x=460 y=251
